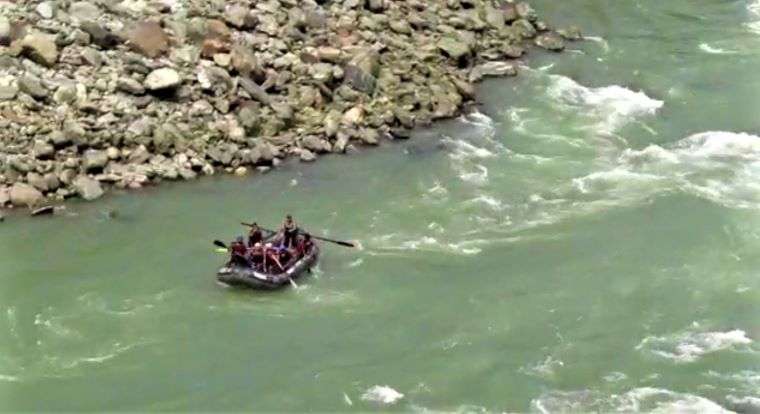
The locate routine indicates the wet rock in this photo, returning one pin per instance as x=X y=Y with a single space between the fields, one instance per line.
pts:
x=32 y=86
x=369 y=136
x=40 y=48
x=550 y=41
x=87 y=188
x=161 y=79
x=94 y=160
x=492 y=69
x=24 y=195
x=353 y=116
x=512 y=51
x=307 y=156
x=149 y=39
x=571 y=33
x=313 y=143
x=43 y=211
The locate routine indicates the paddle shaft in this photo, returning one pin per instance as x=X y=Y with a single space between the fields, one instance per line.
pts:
x=342 y=243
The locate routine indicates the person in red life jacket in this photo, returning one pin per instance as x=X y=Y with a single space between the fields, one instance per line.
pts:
x=238 y=252
x=304 y=245
x=271 y=254
x=256 y=253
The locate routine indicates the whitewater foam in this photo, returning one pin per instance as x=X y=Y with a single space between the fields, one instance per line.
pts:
x=546 y=369
x=382 y=394
x=707 y=48
x=612 y=106
x=646 y=399
x=690 y=346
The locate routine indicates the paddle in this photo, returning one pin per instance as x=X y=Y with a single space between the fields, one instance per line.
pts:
x=220 y=244
x=342 y=243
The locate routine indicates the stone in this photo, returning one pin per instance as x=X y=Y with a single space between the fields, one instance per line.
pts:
x=492 y=69
x=243 y=60
x=329 y=54
x=5 y=31
x=36 y=181
x=509 y=10
x=257 y=92
x=5 y=196
x=307 y=156
x=24 y=195
x=375 y=6
x=40 y=48
x=99 y=35
x=248 y=116
x=217 y=29
x=84 y=10
x=43 y=211
x=239 y=16
x=353 y=116
x=369 y=136
x=92 y=57
x=315 y=144
x=550 y=41
x=32 y=86
x=94 y=160
x=42 y=150
x=87 y=188
x=526 y=11
x=8 y=88
x=524 y=28
x=241 y=171
x=149 y=39
x=361 y=72
x=512 y=51
x=130 y=86
x=222 y=59
x=494 y=17
x=321 y=72
x=454 y=48
x=51 y=181
x=400 y=26
x=161 y=79
x=46 y=9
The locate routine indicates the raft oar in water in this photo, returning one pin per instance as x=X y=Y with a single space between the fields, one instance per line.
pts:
x=342 y=243
x=223 y=245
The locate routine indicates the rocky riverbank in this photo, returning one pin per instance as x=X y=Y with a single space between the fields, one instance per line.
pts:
x=128 y=93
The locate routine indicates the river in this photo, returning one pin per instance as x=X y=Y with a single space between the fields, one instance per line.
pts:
x=587 y=241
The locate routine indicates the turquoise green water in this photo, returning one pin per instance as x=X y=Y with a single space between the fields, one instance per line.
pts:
x=587 y=242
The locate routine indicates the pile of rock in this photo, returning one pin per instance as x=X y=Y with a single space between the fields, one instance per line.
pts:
x=127 y=93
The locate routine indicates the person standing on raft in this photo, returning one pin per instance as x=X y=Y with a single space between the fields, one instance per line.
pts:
x=289 y=232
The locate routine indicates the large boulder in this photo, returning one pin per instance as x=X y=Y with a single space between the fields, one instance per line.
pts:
x=161 y=79
x=87 y=188
x=361 y=72
x=25 y=195
x=492 y=69
x=149 y=39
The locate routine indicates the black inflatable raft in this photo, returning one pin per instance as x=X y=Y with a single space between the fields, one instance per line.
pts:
x=236 y=275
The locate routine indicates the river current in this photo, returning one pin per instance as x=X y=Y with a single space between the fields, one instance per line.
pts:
x=586 y=241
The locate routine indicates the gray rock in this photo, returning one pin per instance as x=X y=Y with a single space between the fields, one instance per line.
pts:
x=257 y=92
x=321 y=72
x=139 y=155
x=161 y=79
x=315 y=144
x=248 y=116
x=8 y=90
x=51 y=181
x=454 y=48
x=376 y=6
x=24 y=195
x=492 y=69
x=42 y=150
x=361 y=72
x=40 y=48
x=43 y=211
x=5 y=196
x=36 y=181
x=149 y=39
x=512 y=51
x=550 y=41
x=494 y=18
x=369 y=136
x=130 y=86
x=84 y=10
x=73 y=131
x=240 y=16
x=524 y=28
x=99 y=35
x=5 y=31
x=32 y=86
x=525 y=11
x=400 y=26
x=94 y=160
x=87 y=188
x=307 y=156
x=46 y=9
